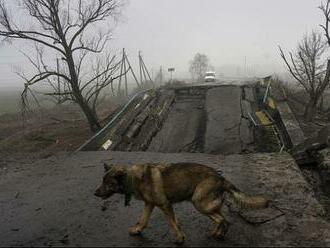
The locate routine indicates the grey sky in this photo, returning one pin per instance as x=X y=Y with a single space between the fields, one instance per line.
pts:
x=170 y=32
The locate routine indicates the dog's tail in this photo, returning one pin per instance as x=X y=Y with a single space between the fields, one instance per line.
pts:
x=243 y=200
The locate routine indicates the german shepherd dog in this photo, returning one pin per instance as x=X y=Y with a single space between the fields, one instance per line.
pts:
x=160 y=185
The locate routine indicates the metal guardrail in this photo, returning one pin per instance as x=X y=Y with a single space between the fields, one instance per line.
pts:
x=113 y=120
x=267 y=92
x=253 y=120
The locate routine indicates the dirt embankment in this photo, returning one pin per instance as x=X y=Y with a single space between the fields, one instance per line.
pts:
x=46 y=131
x=317 y=175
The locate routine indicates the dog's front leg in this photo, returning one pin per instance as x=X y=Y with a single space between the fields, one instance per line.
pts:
x=169 y=213
x=143 y=222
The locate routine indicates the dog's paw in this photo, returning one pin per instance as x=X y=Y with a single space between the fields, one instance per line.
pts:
x=221 y=232
x=179 y=240
x=134 y=231
x=218 y=236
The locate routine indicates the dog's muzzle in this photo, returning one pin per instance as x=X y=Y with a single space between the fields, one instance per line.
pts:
x=98 y=193
x=102 y=194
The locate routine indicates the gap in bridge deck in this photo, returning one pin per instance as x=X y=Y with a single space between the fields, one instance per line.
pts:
x=183 y=130
x=214 y=119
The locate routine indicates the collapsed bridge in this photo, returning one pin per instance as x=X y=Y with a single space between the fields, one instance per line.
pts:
x=213 y=119
x=244 y=130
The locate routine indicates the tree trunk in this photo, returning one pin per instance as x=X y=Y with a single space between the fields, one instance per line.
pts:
x=90 y=114
x=311 y=109
x=321 y=104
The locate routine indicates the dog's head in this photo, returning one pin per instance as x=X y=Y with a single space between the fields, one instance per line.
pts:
x=113 y=181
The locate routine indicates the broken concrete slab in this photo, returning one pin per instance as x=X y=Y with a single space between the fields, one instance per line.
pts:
x=61 y=188
x=180 y=129
x=289 y=120
x=215 y=119
x=224 y=121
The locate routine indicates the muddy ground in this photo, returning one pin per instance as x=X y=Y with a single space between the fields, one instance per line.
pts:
x=43 y=132
x=51 y=203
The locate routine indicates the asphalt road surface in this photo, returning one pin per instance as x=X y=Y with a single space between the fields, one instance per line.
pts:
x=227 y=130
x=51 y=203
x=206 y=119
x=215 y=123
x=180 y=131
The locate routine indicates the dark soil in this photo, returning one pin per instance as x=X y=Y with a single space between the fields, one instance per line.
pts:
x=45 y=131
x=317 y=175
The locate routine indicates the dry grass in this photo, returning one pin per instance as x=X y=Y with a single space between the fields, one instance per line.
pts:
x=62 y=128
x=297 y=99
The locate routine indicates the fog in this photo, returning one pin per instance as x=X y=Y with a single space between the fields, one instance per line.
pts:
x=239 y=37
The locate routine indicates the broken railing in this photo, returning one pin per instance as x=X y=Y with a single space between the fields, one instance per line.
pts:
x=308 y=152
x=100 y=138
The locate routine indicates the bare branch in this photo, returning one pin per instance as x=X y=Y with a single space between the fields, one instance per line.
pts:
x=68 y=29
x=102 y=10
x=307 y=67
x=294 y=74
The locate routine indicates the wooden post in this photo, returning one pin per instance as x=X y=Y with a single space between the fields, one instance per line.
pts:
x=124 y=62
x=58 y=81
x=140 y=66
x=145 y=68
x=121 y=72
x=131 y=69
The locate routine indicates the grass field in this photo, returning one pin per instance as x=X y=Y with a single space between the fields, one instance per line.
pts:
x=9 y=101
x=51 y=128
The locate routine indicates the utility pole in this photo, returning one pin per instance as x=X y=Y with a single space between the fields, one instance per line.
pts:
x=145 y=70
x=58 y=81
x=130 y=67
x=171 y=70
x=126 y=87
x=144 y=73
x=121 y=72
x=140 y=66
x=125 y=68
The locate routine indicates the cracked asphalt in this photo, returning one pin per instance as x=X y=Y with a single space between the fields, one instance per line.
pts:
x=215 y=122
x=51 y=203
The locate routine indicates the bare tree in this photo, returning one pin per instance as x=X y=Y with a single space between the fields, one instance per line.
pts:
x=198 y=66
x=67 y=30
x=307 y=65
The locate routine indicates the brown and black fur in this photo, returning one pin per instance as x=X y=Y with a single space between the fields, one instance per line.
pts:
x=160 y=185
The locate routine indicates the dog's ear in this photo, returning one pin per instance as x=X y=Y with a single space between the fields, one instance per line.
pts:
x=120 y=171
x=120 y=174
x=107 y=167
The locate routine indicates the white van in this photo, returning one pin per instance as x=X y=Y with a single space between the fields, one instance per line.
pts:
x=209 y=76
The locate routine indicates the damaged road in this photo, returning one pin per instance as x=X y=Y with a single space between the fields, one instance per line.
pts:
x=51 y=203
x=210 y=119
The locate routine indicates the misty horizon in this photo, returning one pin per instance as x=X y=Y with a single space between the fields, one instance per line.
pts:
x=236 y=36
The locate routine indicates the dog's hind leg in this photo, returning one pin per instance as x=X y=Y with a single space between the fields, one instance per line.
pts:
x=208 y=201
x=169 y=213
x=221 y=227
x=143 y=222
x=212 y=210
